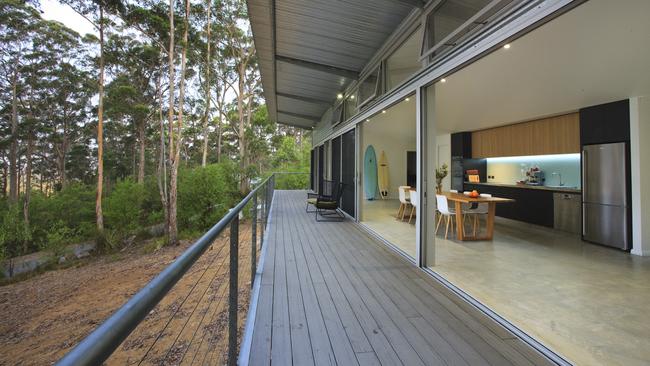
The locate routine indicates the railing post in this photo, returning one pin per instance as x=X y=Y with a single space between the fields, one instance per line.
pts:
x=254 y=240
x=262 y=218
x=232 y=297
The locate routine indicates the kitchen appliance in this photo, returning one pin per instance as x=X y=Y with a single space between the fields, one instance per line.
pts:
x=605 y=214
x=457 y=175
x=536 y=178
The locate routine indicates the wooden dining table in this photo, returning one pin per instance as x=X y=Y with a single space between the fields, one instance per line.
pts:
x=460 y=198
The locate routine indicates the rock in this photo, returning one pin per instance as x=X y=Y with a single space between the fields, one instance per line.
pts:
x=62 y=259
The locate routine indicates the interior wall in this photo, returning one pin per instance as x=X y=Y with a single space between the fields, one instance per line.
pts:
x=640 y=161
x=443 y=150
x=394 y=133
x=508 y=170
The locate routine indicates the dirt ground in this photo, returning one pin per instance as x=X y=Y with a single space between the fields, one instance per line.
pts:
x=45 y=316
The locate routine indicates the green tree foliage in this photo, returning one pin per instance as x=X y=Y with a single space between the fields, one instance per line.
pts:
x=123 y=207
x=49 y=120
x=206 y=194
x=58 y=238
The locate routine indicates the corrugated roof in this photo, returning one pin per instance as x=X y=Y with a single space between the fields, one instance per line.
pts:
x=310 y=50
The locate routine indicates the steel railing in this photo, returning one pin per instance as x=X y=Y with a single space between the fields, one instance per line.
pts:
x=104 y=340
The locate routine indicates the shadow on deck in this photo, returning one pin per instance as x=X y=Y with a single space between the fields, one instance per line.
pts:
x=332 y=294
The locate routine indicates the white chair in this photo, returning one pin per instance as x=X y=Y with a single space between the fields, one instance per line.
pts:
x=445 y=211
x=482 y=209
x=404 y=202
x=414 y=204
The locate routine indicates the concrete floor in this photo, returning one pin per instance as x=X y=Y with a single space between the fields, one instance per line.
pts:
x=381 y=217
x=586 y=302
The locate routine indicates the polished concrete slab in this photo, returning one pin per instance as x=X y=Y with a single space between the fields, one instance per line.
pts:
x=381 y=217
x=587 y=302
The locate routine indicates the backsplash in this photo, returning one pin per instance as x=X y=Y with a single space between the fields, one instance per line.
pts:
x=509 y=169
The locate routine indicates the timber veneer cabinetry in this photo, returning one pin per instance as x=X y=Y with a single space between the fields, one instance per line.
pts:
x=553 y=135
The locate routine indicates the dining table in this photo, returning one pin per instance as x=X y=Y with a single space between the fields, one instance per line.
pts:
x=460 y=198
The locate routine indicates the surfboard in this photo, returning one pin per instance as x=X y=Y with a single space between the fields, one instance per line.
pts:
x=383 y=175
x=370 y=173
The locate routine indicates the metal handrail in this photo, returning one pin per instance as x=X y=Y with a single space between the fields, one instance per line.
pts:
x=102 y=342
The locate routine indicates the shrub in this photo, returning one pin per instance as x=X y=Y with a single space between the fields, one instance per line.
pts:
x=58 y=238
x=206 y=194
x=74 y=206
x=123 y=207
x=13 y=235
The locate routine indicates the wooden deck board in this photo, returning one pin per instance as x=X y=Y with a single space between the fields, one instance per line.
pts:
x=331 y=294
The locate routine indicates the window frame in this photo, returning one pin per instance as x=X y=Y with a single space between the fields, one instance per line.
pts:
x=337 y=111
x=362 y=103
x=428 y=52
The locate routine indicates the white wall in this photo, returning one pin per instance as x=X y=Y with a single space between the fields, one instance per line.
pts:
x=443 y=156
x=393 y=133
x=640 y=163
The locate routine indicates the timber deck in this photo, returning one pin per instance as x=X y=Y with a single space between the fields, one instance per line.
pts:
x=331 y=294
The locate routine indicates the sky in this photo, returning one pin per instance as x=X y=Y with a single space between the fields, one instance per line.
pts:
x=53 y=10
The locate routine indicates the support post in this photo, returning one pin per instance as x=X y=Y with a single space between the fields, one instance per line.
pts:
x=232 y=292
x=263 y=208
x=254 y=241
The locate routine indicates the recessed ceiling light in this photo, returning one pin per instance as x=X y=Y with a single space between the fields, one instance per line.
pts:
x=339 y=96
x=506 y=46
x=352 y=97
x=367 y=119
x=384 y=111
x=443 y=80
x=407 y=99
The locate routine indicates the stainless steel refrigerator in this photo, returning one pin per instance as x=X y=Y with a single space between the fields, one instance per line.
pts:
x=605 y=218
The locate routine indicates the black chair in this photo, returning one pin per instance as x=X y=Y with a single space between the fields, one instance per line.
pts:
x=327 y=193
x=327 y=206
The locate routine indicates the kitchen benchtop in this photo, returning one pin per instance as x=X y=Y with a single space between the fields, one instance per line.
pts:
x=525 y=186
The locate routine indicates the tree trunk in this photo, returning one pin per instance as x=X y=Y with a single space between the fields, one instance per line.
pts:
x=242 y=129
x=207 y=88
x=219 y=140
x=64 y=152
x=173 y=228
x=100 y=127
x=173 y=191
x=162 y=164
x=142 y=142
x=28 y=186
x=13 y=147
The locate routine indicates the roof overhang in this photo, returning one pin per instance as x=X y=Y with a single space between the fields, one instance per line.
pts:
x=309 y=51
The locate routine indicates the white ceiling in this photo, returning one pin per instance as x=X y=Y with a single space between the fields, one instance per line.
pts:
x=596 y=53
x=397 y=123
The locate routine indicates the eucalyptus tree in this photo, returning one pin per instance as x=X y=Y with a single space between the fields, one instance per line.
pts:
x=133 y=93
x=18 y=22
x=95 y=11
x=240 y=48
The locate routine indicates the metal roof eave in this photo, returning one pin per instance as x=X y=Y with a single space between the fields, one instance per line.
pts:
x=310 y=51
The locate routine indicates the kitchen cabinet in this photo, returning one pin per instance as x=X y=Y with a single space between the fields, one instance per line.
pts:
x=461 y=144
x=605 y=123
x=534 y=206
x=553 y=135
x=567 y=212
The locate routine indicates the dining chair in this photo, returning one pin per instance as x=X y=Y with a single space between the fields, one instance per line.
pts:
x=414 y=204
x=445 y=211
x=404 y=202
x=480 y=210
